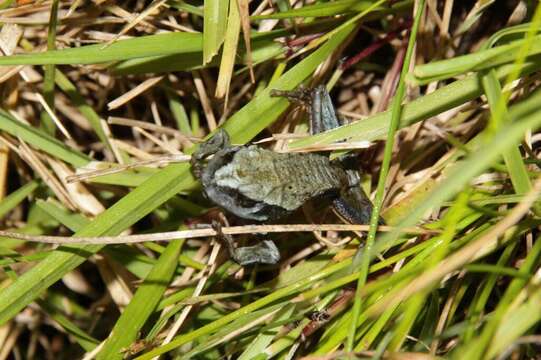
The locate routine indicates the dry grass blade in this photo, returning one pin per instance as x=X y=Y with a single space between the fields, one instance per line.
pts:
x=162 y=160
x=187 y=139
x=246 y=31
x=196 y=233
x=145 y=85
x=229 y=53
x=151 y=8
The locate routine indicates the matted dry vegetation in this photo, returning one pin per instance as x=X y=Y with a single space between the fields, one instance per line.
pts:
x=103 y=102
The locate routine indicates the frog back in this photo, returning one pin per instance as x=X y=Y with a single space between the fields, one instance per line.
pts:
x=286 y=180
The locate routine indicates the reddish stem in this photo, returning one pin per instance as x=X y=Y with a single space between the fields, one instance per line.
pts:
x=374 y=46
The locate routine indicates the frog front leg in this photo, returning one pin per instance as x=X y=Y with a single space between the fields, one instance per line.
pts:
x=352 y=204
x=205 y=170
x=264 y=252
x=219 y=141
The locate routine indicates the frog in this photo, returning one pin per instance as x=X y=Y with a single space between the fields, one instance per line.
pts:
x=258 y=184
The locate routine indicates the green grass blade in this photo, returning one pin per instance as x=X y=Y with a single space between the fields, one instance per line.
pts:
x=181 y=5
x=484 y=341
x=484 y=59
x=230 y=51
x=48 y=81
x=241 y=322
x=142 y=304
x=152 y=45
x=72 y=221
x=243 y=126
x=179 y=113
x=87 y=342
x=42 y=141
x=330 y=8
x=396 y=114
x=13 y=199
x=134 y=261
x=263 y=339
x=215 y=20
x=513 y=158
x=517 y=322
x=264 y=47
x=258 y=304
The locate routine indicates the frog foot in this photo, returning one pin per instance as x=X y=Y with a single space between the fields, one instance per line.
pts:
x=301 y=95
x=265 y=252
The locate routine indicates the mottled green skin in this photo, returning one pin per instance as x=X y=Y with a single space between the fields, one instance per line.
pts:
x=284 y=180
x=263 y=185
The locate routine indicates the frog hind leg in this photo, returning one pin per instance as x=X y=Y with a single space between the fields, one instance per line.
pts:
x=353 y=204
x=322 y=113
x=265 y=252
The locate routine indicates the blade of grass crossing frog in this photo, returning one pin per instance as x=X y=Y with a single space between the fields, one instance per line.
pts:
x=142 y=304
x=155 y=190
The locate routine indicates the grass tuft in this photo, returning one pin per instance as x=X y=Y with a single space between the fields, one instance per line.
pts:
x=105 y=251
